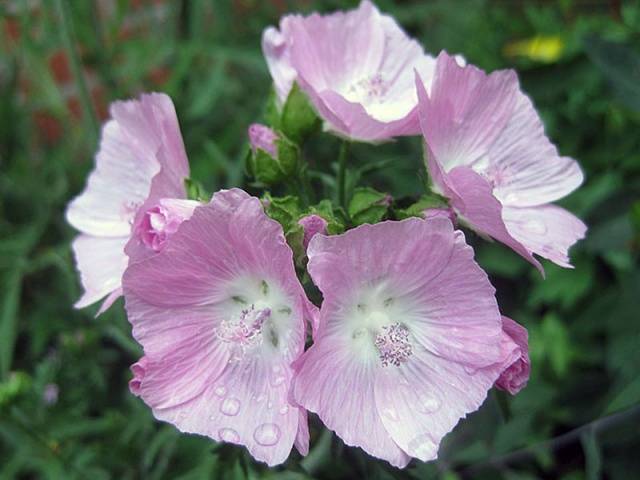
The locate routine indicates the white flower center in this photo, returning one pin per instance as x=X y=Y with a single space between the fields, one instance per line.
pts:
x=378 y=329
x=254 y=316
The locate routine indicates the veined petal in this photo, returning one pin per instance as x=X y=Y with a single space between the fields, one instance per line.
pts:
x=116 y=188
x=339 y=387
x=101 y=262
x=546 y=230
x=525 y=166
x=475 y=203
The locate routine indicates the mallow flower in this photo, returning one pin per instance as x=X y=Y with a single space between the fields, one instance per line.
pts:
x=409 y=341
x=141 y=159
x=221 y=316
x=355 y=66
x=488 y=153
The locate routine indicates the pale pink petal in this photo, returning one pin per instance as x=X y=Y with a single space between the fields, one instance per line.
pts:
x=465 y=111
x=525 y=166
x=516 y=374
x=547 y=230
x=151 y=124
x=427 y=397
x=476 y=205
x=101 y=262
x=116 y=188
x=276 y=52
x=302 y=437
x=340 y=389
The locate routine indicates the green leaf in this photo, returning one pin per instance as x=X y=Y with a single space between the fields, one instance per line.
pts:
x=627 y=397
x=298 y=117
x=368 y=206
x=9 y=316
x=550 y=342
x=562 y=286
x=620 y=64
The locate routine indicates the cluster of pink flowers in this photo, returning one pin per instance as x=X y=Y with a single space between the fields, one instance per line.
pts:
x=409 y=337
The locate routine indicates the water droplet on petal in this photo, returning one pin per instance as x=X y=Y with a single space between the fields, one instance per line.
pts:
x=391 y=414
x=276 y=369
x=220 y=391
x=284 y=409
x=267 y=434
x=536 y=227
x=277 y=380
x=260 y=398
x=230 y=406
x=270 y=405
x=423 y=447
x=430 y=404
x=229 y=435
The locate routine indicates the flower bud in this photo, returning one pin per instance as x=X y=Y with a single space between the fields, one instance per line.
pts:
x=273 y=156
x=312 y=224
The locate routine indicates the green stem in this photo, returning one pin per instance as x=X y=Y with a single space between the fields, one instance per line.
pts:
x=68 y=38
x=342 y=174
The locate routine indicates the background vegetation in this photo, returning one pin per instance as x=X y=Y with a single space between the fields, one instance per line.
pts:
x=65 y=410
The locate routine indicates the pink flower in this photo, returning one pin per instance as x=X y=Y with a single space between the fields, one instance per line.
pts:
x=515 y=377
x=220 y=314
x=409 y=339
x=312 y=225
x=355 y=66
x=488 y=153
x=140 y=160
x=263 y=138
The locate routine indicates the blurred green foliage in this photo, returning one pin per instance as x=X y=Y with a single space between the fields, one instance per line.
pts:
x=65 y=410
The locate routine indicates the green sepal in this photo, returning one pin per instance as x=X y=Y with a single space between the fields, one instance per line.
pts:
x=431 y=200
x=368 y=206
x=195 y=190
x=298 y=118
x=284 y=210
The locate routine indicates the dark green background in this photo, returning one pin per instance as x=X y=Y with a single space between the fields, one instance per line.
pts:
x=579 y=416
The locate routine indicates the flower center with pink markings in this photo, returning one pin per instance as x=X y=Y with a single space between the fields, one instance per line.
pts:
x=245 y=330
x=393 y=344
x=368 y=88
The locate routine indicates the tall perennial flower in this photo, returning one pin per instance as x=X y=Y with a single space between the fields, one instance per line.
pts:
x=141 y=159
x=410 y=338
x=220 y=314
x=356 y=67
x=488 y=153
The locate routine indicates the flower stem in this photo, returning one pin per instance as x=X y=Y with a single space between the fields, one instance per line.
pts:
x=342 y=174
x=68 y=38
